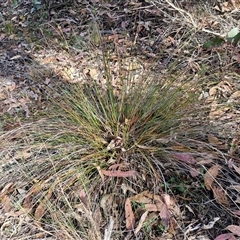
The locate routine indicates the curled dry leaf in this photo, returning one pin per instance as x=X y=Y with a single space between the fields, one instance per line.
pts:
x=210 y=176
x=130 y=219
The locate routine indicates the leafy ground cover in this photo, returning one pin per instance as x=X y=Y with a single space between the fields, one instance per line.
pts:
x=119 y=120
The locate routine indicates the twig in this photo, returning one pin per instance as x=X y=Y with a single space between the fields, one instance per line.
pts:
x=183 y=12
x=108 y=231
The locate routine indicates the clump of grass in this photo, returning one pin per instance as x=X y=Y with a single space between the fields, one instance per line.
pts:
x=91 y=128
x=130 y=129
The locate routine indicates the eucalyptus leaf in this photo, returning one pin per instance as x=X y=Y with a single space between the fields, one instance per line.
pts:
x=214 y=42
x=236 y=39
x=232 y=33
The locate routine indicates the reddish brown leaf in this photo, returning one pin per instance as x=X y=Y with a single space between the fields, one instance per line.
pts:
x=194 y=172
x=40 y=210
x=118 y=173
x=220 y=196
x=184 y=157
x=33 y=190
x=210 y=176
x=234 y=229
x=225 y=236
x=237 y=213
x=83 y=198
x=165 y=216
x=130 y=219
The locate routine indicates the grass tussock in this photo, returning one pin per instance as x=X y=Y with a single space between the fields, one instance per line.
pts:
x=93 y=131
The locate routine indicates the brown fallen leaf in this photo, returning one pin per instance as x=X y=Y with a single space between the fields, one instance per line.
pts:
x=6 y=204
x=217 y=113
x=130 y=219
x=220 y=196
x=151 y=207
x=214 y=140
x=36 y=188
x=235 y=95
x=41 y=208
x=146 y=197
x=6 y=189
x=210 y=176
